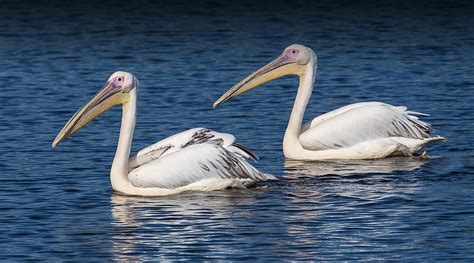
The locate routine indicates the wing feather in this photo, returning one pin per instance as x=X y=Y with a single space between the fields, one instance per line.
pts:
x=192 y=156
x=192 y=164
x=360 y=122
x=180 y=140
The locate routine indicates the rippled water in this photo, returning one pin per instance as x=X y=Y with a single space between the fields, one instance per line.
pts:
x=59 y=204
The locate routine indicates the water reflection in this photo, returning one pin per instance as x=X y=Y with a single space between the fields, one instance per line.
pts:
x=295 y=169
x=344 y=184
x=166 y=225
x=321 y=209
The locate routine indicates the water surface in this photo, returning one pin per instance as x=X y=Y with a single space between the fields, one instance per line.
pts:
x=59 y=204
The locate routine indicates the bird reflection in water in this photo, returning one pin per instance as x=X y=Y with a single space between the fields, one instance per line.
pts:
x=168 y=224
x=341 y=196
x=320 y=181
x=295 y=169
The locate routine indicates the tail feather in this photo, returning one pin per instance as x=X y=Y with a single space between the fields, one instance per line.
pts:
x=426 y=142
x=438 y=139
x=417 y=113
x=432 y=139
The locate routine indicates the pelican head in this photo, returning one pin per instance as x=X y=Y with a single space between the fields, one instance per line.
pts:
x=292 y=61
x=115 y=92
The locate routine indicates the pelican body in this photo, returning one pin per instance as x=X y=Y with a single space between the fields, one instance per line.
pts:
x=367 y=130
x=196 y=159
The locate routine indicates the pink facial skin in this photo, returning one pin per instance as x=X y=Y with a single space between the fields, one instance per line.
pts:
x=291 y=54
x=287 y=57
x=117 y=81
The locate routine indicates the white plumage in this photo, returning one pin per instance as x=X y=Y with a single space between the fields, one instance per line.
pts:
x=361 y=122
x=366 y=130
x=197 y=159
x=191 y=156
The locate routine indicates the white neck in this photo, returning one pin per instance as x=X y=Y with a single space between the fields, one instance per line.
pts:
x=292 y=147
x=120 y=165
x=119 y=171
x=291 y=143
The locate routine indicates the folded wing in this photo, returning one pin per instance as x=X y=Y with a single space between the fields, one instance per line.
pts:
x=361 y=122
x=192 y=156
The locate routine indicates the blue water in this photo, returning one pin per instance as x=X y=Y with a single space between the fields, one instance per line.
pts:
x=58 y=204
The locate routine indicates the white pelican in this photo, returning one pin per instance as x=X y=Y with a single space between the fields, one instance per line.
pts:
x=367 y=130
x=196 y=159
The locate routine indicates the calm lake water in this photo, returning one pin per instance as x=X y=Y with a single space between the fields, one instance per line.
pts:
x=59 y=204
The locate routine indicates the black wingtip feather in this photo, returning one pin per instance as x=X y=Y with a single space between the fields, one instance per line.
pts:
x=247 y=151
